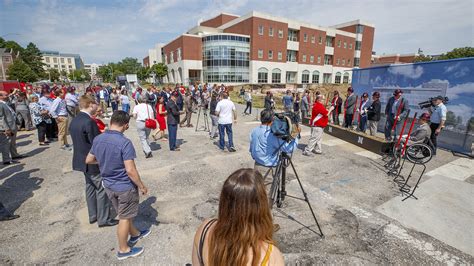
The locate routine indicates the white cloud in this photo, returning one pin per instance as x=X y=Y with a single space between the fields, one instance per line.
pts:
x=455 y=91
x=409 y=71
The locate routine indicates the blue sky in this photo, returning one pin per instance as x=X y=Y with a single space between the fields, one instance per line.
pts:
x=105 y=31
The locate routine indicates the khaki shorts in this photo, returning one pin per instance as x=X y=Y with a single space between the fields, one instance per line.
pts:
x=125 y=202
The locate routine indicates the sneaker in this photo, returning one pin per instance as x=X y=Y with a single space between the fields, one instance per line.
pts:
x=148 y=155
x=132 y=253
x=306 y=154
x=134 y=239
x=232 y=149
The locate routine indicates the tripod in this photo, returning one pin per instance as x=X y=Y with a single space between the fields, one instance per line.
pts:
x=205 y=117
x=278 y=187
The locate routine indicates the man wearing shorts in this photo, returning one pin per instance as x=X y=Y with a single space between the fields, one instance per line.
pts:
x=115 y=155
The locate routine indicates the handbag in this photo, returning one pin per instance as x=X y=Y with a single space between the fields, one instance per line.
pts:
x=149 y=123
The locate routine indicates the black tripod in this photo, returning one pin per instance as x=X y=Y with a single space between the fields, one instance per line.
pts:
x=205 y=117
x=278 y=187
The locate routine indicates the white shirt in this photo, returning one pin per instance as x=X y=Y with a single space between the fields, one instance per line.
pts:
x=141 y=111
x=225 y=109
x=101 y=93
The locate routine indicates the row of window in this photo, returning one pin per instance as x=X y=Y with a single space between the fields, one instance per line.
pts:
x=262 y=76
x=225 y=38
x=55 y=60
x=261 y=30
x=291 y=56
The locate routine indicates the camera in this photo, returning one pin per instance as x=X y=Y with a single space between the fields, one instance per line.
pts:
x=285 y=125
x=429 y=102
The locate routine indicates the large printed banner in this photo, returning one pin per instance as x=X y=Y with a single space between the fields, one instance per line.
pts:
x=421 y=81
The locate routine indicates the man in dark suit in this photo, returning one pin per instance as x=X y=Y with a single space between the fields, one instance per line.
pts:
x=8 y=130
x=83 y=130
x=396 y=110
x=349 y=105
x=173 y=120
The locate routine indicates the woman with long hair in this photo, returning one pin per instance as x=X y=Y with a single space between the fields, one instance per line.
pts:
x=242 y=233
x=161 y=119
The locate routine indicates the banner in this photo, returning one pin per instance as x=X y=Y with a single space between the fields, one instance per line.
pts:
x=421 y=81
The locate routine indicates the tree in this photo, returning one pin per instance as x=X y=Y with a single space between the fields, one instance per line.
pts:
x=20 y=71
x=129 y=65
x=11 y=45
x=160 y=70
x=422 y=58
x=53 y=74
x=79 y=75
x=63 y=74
x=32 y=57
x=458 y=53
x=450 y=118
x=143 y=73
x=105 y=72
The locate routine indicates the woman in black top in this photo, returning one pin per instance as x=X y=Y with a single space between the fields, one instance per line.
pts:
x=373 y=113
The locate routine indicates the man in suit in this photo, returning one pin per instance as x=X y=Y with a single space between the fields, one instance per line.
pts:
x=349 y=107
x=396 y=110
x=173 y=113
x=8 y=130
x=83 y=130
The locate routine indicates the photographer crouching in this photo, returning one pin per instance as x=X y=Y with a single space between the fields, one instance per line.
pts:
x=265 y=146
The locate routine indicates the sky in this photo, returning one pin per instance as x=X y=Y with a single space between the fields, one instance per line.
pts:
x=107 y=31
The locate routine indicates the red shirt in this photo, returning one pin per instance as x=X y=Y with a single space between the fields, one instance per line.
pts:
x=318 y=108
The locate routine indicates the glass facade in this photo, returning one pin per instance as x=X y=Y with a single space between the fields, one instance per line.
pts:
x=226 y=58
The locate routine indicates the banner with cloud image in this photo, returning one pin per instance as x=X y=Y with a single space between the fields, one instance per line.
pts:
x=421 y=81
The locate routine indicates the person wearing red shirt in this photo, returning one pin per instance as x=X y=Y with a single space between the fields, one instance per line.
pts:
x=319 y=120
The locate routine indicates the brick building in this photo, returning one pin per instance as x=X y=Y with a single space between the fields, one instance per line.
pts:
x=261 y=48
x=382 y=60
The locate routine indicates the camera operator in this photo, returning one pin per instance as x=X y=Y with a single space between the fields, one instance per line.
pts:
x=319 y=120
x=438 y=117
x=265 y=146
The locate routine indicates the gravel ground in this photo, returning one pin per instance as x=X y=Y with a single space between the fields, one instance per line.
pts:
x=344 y=190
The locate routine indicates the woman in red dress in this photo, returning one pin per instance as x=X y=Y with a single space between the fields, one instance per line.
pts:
x=161 y=118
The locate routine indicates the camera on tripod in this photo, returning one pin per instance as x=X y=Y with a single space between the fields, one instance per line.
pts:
x=285 y=125
x=429 y=103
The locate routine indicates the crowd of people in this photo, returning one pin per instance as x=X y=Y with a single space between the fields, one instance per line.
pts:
x=240 y=234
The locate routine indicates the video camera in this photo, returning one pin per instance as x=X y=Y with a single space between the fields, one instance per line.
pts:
x=285 y=125
x=429 y=103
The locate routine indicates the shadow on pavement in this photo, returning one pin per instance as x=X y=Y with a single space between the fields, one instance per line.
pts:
x=147 y=214
x=23 y=136
x=23 y=143
x=8 y=170
x=36 y=151
x=155 y=146
x=19 y=188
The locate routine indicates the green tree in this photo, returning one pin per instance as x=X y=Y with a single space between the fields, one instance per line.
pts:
x=63 y=73
x=11 y=45
x=458 y=53
x=128 y=65
x=160 y=70
x=31 y=55
x=422 y=58
x=143 y=73
x=79 y=75
x=53 y=74
x=20 y=71
x=105 y=72
x=450 y=118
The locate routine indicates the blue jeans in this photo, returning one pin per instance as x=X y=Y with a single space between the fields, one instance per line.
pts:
x=388 y=127
x=228 y=129
x=114 y=106
x=172 y=133
x=126 y=107
x=363 y=123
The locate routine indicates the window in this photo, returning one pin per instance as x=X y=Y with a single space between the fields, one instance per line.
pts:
x=171 y=57
x=329 y=41
x=337 y=62
x=339 y=43
x=345 y=45
x=260 y=53
x=292 y=35
x=343 y=62
x=304 y=58
x=290 y=77
x=178 y=54
x=313 y=39
x=262 y=75
x=280 y=34
x=260 y=30
x=345 y=79
x=311 y=59
x=270 y=54
x=319 y=59
x=46 y=59
x=358 y=44
x=359 y=28
x=270 y=32
x=305 y=77
x=320 y=41
x=338 y=78
x=327 y=78
x=349 y=62
x=291 y=56
x=55 y=60
x=328 y=59
x=356 y=62
x=276 y=75
x=315 y=77
x=280 y=56
x=350 y=46
x=305 y=37
x=62 y=60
